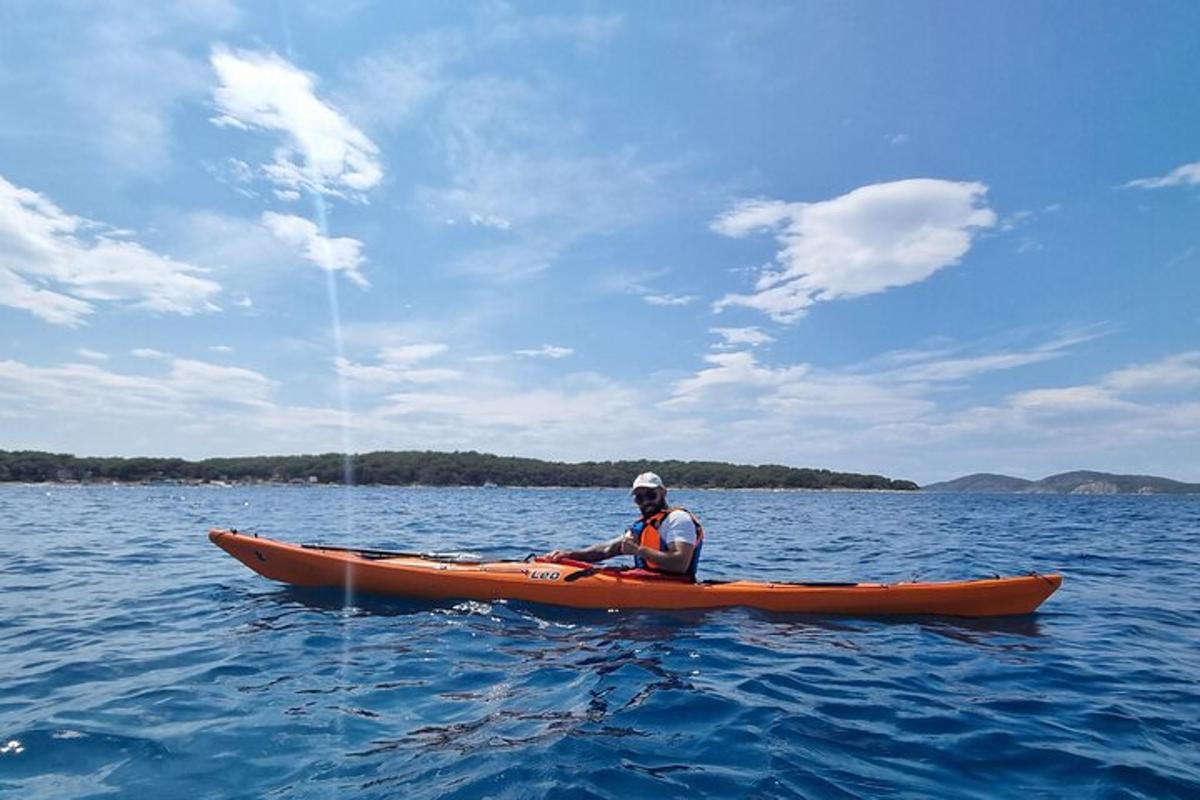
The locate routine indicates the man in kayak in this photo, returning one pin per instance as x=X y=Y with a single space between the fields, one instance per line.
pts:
x=665 y=539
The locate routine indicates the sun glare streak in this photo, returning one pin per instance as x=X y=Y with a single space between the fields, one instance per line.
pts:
x=335 y=319
x=335 y=315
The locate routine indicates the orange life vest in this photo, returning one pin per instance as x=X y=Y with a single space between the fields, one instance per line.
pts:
x=646 y=533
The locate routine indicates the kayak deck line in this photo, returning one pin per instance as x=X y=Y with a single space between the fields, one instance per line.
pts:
x=582 y=585
x=586 y=572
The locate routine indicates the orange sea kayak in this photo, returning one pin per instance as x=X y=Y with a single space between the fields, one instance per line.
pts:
x=580 y=585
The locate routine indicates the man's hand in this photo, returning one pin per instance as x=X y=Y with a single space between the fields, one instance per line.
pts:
x=597 y=552
x=629 y=545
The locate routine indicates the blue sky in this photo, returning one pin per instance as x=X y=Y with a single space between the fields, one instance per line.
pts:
x=918 y=239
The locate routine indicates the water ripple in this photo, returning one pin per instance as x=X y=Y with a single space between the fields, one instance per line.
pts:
x=145 y=662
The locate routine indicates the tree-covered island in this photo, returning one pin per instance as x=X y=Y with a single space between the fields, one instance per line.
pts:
x=428 y=468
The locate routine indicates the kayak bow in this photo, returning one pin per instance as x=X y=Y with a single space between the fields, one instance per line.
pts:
x=579 y=585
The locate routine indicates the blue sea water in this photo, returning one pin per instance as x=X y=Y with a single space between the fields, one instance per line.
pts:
x=137 y=660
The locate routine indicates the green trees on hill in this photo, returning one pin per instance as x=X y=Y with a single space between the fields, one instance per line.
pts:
x=428 y=468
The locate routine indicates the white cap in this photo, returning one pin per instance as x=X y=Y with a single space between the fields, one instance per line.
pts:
x=647 y=480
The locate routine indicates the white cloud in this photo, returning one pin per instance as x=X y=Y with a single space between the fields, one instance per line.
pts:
x=114 y=270
x=507 y=263
x=634 y=281
x=896 y=387
x=220 y=348
x=235 y=173
x=408 y=339
x=500 y=24
x=499 y=223
x=949 y=363
x=383 y=374
x=392 y=86
x=406 y=354
x=1068 y=398
x=739 y=371
x=130 y=71
x=51 y=306
x=322 y=152
x=669 y=299
x=182 y=408
x=754 y=216
x=1109 y=424
x=1185 y=175
x=545 y=351
x=542 y=191
x=389 y=88
x=92 y=391
x=738 y=336
x=737 y=384
x=907 y=413
x=148 y=352
x=396 y=364
x=240 y=171
x=874 y=238
x=202 y=381
x=517 y=162
x=249 y=259
x=956 y=369
x=1015 y=219
x=1181 y=371
x=92 y=355
x=742 y=410
x=1051 y=429
x=1182 y=256
x=335 y=254
x=85 y=263
x=848 y=398
x=501 y=417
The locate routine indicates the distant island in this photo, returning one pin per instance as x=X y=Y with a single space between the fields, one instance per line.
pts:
x=426 y=468
x=1079 y=482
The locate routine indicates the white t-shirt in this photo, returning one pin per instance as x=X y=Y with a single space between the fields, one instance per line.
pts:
x=678 y=527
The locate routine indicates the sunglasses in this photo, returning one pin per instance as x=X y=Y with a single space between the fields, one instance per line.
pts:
x=647 y=495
